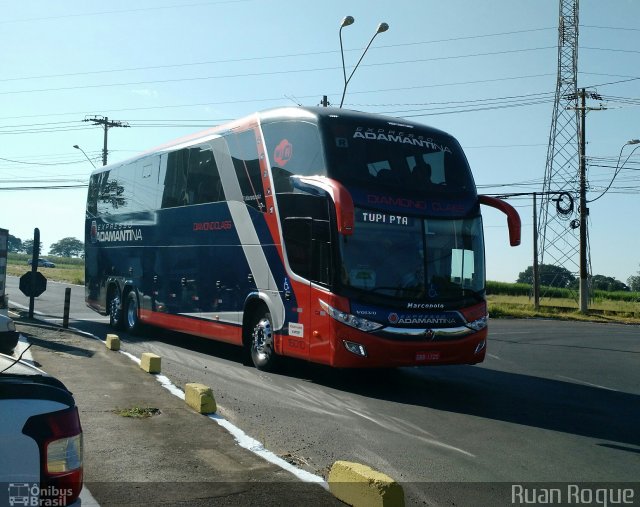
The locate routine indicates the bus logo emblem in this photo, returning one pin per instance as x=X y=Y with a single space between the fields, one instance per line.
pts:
x=283 y=153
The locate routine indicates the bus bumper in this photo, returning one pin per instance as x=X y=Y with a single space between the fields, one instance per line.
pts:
x=354 y=349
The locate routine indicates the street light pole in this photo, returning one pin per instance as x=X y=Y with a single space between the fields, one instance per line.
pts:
x=78 y=148
x=348 y=20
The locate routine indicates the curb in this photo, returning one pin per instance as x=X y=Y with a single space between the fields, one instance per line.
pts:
x=361 y=486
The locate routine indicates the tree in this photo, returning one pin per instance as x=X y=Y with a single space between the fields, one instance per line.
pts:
x=550 y=276
x=67 y=247
x=634 y=282
x=27 y=246
x=14 y=244
x=608 y=283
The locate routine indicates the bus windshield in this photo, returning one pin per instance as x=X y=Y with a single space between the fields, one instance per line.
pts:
x=404 y=158
x=386 y=256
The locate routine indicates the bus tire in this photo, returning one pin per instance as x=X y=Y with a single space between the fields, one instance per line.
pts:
x=261 y=343
x=132 y=313
x=116 y=315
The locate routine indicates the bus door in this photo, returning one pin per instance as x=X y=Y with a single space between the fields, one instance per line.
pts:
x=296 y=232
x=308 y=249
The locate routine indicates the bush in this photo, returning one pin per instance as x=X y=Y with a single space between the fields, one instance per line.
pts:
x=509 y=289
x=524 y=289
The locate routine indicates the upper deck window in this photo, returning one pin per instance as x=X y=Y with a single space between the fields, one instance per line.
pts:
x=403 y=157
x=294 y=148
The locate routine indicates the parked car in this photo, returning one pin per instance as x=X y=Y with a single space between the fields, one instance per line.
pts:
x=41 y=458
x=43 y=263
x=8 y=335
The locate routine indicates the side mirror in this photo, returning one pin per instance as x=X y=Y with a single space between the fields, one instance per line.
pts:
x=513 y=219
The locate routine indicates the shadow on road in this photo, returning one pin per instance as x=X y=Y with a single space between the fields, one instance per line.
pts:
x=510 y=397
x=472 y=390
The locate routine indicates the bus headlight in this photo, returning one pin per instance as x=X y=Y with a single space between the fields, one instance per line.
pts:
x=349 y=319
x=479 y=324
x=355 y=348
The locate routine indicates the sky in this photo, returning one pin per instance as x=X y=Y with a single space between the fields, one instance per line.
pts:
x=483 y=71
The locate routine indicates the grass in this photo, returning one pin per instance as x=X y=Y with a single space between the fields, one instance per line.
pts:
x=600 y=309
x=68 y=270
x=137 y=412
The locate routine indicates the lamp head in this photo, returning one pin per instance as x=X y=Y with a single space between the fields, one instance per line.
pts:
x=348 y=20
x=634 y=141
x=382 y=27
x=76 y=146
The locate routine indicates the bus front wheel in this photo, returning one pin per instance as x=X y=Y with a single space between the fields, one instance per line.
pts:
x=262 y=343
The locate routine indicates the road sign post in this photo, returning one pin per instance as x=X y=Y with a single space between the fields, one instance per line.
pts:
x=34 y=285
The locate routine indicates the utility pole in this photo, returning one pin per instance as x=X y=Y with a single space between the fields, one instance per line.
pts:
x=104 y=121
x=536 y=269
x=583 y=210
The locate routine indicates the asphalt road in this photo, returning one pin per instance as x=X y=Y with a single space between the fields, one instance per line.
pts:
x=554 y=401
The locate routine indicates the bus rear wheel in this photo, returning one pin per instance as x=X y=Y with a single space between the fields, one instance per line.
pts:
x=262 y=343
x=115 y=310
x=132 y=320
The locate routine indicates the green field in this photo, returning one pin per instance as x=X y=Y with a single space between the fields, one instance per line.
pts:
x=515 y=300
x=66 y=270
x=504 y=299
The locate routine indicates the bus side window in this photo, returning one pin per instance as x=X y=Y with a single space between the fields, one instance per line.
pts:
x=320 y=252
x=244 y=153
x=296 y=232
x=203 y=182
x=92 y=195
x=110 y=193
x=146 y=187
x=175 y=180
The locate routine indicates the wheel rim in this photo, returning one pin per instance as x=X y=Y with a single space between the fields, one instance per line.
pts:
x=132 y=313
x=115 y=309
x=262 y=343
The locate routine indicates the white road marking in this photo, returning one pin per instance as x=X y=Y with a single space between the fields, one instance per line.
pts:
x=430 y=441
x=586 y=383
x=244 y=440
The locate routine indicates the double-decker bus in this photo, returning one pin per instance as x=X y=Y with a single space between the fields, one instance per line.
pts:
x=339 y=237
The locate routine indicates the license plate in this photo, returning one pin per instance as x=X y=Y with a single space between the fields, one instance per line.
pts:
x=428 y=356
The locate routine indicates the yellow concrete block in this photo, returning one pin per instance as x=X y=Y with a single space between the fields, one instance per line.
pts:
x=150 y=362
x=200 y=398
x=113 y=342
x=360 y=485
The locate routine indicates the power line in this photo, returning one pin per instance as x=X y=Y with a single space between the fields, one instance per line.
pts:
x=269 y=73
x=252 y=100
x=612 y=28
x=263 y=57
x=49 y=187
x=121 y=11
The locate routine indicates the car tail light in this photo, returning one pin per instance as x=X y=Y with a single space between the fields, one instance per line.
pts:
x=59 y=438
